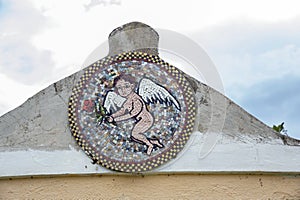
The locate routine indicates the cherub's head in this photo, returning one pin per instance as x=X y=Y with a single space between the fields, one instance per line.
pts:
x=124 y=84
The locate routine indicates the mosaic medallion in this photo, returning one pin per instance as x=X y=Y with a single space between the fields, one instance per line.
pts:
x=132 y=112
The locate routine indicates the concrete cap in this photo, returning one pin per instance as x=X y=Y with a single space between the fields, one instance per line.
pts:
x=133 y=36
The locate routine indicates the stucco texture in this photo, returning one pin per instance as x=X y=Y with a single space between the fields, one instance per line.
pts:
x=153 y=187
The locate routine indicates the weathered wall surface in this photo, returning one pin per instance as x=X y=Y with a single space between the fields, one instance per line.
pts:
x=41 y=122
x=154 y=187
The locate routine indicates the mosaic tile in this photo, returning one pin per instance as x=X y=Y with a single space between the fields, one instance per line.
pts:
x=132 y=112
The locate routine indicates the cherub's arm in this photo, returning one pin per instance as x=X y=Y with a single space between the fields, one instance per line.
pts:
x=119 y=112
x=136 y=108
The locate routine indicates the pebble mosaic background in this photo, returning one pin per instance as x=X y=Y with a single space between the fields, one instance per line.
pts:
x=111 y=144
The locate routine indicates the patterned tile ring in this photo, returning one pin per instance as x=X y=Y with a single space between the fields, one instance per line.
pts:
x=132 y=112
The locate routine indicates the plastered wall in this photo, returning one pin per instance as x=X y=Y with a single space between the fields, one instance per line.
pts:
x=153 y=187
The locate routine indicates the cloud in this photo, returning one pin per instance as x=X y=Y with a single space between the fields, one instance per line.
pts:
x=3 y=108
x=244 y=70
x=19 y=58
x=232 y=35
x=259 y=64
x=246 y=52
x=275 y=101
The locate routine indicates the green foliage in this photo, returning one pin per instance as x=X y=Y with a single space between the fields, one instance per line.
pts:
x=280 y=128
x=100 y=112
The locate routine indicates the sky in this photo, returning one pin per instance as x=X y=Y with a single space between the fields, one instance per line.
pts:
x=254 y=45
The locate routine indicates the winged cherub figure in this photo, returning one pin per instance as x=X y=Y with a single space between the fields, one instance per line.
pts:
x=129 y=100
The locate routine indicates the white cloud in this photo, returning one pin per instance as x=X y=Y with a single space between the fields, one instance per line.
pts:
x=19 y=58
x=256 y=10
x=247 y=52
x=285 y=60
x=250 y=68
x=75 y=33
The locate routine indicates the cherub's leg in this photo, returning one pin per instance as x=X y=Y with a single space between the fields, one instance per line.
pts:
x=137 y=134
x=156 y=142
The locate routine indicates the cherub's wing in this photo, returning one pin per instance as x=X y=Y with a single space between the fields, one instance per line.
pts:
x=112 y=102
x=153 y=93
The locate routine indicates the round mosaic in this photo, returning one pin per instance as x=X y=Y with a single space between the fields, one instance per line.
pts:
x=132 y=112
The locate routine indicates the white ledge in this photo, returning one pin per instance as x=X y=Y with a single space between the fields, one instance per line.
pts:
x=223 y=158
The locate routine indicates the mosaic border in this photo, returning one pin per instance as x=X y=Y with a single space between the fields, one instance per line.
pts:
x=154 y=161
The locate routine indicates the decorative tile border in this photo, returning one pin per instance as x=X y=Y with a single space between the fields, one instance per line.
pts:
x=132 y=112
